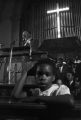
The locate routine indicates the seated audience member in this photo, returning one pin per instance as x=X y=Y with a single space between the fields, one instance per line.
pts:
x=72 y=83
x=78 y=72
x=61 y=69
x=70 y=80
x=45 y=77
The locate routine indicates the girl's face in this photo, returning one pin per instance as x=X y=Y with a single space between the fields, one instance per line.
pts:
x=44 y=75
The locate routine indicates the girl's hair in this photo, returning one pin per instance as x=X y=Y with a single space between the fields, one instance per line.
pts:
x=47 y=61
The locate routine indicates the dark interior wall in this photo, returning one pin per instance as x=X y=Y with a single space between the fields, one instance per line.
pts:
x=10 y=14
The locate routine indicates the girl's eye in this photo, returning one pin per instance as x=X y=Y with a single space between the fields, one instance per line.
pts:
x=43 y=73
